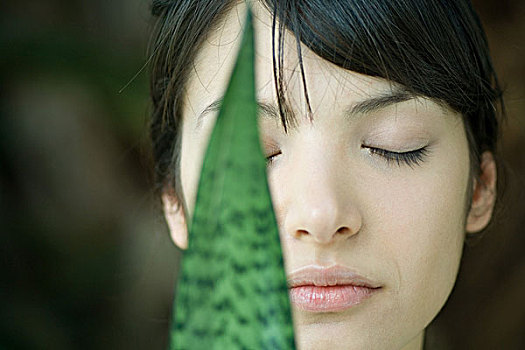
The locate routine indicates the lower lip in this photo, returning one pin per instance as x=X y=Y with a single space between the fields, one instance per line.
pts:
x=329 y=298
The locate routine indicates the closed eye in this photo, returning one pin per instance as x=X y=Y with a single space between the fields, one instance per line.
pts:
x=410 y=158
x=271 y=157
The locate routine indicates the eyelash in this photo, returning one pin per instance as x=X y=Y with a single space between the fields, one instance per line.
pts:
x=270 y=158
x=410 y=158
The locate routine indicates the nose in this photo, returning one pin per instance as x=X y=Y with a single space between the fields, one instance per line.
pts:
x=321 y=208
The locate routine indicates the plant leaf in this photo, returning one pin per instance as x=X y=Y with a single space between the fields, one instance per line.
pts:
x=232 y=291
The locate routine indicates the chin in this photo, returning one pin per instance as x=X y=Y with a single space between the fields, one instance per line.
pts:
x=348 y=330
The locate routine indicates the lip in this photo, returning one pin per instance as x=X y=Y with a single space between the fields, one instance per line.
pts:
x=329 y=289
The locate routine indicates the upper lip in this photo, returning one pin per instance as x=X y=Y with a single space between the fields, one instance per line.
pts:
x=314 y=275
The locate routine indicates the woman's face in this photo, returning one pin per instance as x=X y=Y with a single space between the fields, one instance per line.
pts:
x=398 y=221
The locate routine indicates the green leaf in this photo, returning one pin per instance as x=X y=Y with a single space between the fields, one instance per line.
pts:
x=232 y=291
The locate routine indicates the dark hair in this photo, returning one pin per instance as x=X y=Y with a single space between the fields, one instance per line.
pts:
x=433 y=48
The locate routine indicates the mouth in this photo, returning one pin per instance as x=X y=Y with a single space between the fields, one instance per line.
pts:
x=329 y=289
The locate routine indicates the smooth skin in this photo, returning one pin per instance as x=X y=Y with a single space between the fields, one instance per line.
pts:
x=340 y=201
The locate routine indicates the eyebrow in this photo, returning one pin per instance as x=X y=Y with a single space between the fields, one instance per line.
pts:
x=376 y=103
x=267 y=110
x=366 y=106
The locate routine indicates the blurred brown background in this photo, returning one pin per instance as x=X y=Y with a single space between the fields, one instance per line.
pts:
x=85 y=258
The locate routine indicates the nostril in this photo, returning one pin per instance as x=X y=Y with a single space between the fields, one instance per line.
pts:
x=299 y=233
x=343 y=231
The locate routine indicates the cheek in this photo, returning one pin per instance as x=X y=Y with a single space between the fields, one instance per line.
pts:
x=420 y=229
x=425 y=224
x=193 y=148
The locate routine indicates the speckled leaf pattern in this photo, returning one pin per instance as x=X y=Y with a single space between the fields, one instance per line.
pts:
x=232 y=290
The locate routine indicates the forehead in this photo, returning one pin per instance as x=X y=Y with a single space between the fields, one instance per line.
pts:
x=330 y=88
